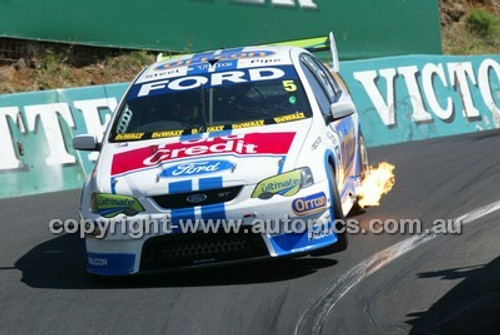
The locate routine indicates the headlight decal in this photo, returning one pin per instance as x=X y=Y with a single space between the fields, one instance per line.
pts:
x=286 y=184
x=110 y=205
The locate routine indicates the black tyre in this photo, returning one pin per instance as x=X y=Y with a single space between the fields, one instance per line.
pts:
x=363 y=162
x=342 y=242
x=363 y=155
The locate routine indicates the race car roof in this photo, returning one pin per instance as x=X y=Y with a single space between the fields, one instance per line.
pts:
x=212 y=61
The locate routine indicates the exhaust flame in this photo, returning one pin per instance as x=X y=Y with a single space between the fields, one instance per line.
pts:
x=376 y=182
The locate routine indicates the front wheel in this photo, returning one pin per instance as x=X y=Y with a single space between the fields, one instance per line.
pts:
x=341 y=243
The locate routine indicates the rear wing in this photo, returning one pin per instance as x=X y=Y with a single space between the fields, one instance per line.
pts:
x=313 y=45
x=317 y=44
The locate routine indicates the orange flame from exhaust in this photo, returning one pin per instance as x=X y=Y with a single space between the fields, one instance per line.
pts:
x=376 y=182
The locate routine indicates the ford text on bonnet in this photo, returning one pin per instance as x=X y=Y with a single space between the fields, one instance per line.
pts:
x=249 y=134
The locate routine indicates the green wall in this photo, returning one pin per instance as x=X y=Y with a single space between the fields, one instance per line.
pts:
x=364 y=28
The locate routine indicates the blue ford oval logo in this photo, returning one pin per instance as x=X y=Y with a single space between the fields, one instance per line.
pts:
x=197 y=168
x=196 y=198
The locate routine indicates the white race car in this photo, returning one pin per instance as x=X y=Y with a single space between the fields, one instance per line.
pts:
x=256 y=135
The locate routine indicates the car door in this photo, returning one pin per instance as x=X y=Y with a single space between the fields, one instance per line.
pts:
x=328 y=92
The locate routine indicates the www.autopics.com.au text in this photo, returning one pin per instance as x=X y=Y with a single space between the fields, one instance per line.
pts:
x=140 y=227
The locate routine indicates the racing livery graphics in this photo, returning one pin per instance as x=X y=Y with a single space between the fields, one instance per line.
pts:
x=197 y=168
x=250 y=134
x=244 y=144
x=309 y=204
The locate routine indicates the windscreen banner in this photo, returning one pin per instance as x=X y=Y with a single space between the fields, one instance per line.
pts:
x=399 y=99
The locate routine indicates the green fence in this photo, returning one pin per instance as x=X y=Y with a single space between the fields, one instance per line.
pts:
x=364 y=28
x=399 y=99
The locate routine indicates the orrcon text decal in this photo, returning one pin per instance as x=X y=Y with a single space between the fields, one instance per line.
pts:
x=399 y=99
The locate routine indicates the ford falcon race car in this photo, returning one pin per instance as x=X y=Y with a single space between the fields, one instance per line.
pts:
x=248 y=134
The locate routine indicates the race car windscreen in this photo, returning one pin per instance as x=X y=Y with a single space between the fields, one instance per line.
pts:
x=211 y=102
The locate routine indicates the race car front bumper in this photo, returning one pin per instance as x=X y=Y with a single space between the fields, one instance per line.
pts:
x=284 y=229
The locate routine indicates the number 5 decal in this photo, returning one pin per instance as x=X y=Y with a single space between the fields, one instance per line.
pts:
x=289 y=85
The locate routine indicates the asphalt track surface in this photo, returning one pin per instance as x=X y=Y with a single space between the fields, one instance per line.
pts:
x=450 y=284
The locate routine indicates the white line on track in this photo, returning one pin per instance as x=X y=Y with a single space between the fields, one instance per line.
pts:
x=311 y=321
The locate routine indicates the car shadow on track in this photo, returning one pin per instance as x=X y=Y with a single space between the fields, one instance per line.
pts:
x=471 y=307
x=59 y=263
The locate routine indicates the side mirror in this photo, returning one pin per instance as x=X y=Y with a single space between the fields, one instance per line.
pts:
x=86 y=142
x=342 y=109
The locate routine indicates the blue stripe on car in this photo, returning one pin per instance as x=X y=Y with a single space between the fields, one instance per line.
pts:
x=285 y=244
x=220 y=133
x=181 y=213
x=191 y=137
x=215 y=211
x=113 y=185
x=282 y=165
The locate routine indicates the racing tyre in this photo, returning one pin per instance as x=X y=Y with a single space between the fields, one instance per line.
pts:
x=363 y=162
x=363 y=155
x=341 y=243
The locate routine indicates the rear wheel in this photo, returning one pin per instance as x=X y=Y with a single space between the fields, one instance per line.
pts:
x=363 y=163
x=363 y=156
x=341 y=243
